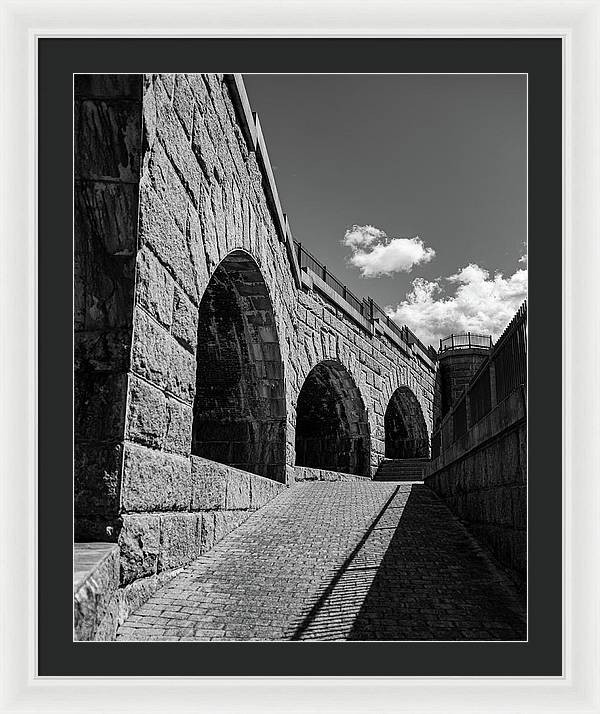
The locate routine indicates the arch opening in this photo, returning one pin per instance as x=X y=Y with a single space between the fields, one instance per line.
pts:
x=405 y=428
x=332 y=429
x=239 y=407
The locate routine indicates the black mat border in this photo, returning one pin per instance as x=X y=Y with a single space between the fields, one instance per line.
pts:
x=58 y=60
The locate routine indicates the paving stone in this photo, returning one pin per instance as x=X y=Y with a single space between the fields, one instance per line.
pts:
x=354 y=560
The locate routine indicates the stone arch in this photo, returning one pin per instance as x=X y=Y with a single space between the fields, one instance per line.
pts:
x=406 y=434
x=239 y=406
x=332 y=427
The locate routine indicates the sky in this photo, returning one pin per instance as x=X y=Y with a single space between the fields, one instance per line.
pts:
x=412 y=189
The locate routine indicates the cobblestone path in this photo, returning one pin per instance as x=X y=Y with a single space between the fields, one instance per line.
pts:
x=342 y=560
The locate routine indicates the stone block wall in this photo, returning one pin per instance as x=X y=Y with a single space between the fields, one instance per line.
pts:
x=95 y=591
x=377 y=366
x=483 y=479
x=215 y=500
x=107 y=118
x=174 y=195
x=305 y=473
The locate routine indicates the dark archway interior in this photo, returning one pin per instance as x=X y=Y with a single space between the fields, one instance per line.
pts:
x=332 y=430
x=239 y=409
x=405 y=428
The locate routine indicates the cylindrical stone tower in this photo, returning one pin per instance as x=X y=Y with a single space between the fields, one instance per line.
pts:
x=459 y=358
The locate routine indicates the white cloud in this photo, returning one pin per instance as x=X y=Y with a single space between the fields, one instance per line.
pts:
x=374 y=254
x=480 y=304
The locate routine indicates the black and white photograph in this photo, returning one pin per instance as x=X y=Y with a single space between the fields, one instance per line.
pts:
x=300 y=357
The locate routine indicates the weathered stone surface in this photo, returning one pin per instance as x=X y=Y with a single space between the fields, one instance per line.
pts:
x=97 y=479
x=203 y=147
x=131 y=597
x=100 y=399
x=155 y=481
x=207 y=531
x=159 y=231
x=209 y=481
x=183 y=103
x=226 y=521
x=238 y=490
x=185 y=321
x=107 y=214
x=263 y=490
x=95 y=581
x=179 y=539
x=139 y=541
x=107 y=139
x=107 y=628
x=178 y=436
x=182 y=373
x=155 y=287
x=151 y=352
x=197 y=250
x=103 y=351
x=163 y=178
x=177 y=146
x=147 y=422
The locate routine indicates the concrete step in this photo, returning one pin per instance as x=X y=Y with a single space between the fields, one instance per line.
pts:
x=401 y=470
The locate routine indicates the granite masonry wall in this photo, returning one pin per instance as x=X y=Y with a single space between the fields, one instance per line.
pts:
x=482 y=477
x=108 y=135
x=219 y=308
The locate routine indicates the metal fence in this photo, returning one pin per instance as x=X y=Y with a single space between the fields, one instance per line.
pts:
x=510 y=356
x=465 y=340
x=436 y=444
x=459 y=419
x=480 y=395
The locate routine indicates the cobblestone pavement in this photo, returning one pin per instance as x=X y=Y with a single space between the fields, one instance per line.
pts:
x=331 y=561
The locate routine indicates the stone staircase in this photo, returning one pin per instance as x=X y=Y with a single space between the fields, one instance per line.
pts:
x=400 y=470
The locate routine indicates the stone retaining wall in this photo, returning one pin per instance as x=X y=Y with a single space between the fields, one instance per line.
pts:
x=217 y=499
x=483 y=479
x=95 y=591
x=305 y=473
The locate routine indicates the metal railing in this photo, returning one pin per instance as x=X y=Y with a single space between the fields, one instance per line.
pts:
x=510 y=355
x=465 y=340
x=366 y=307
x=480 y=395
x=307 y=260
x=460 y=424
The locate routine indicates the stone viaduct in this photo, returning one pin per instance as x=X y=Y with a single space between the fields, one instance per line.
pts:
x=216 y=361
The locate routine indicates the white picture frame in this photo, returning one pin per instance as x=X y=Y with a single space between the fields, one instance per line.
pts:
x=578 y=22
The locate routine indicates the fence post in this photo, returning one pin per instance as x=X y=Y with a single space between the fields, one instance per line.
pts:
x=493 y=397
x=468 y=407
x=452 y=338
x=324 y=274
